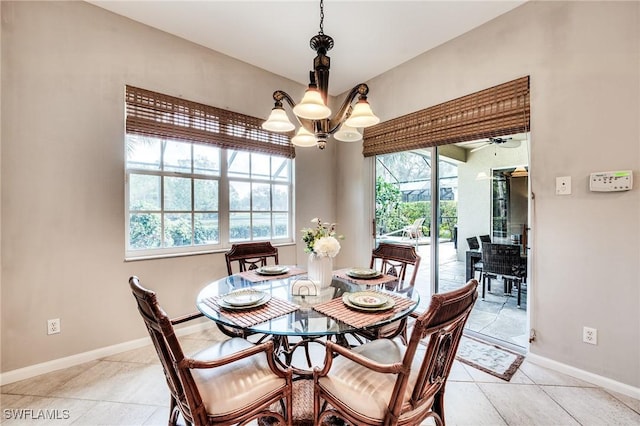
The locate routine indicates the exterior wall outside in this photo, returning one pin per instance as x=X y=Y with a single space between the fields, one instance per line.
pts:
x=64 y=69
x=583 y=59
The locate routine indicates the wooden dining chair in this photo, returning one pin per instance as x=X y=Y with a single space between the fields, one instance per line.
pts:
x=231 y=382
x=386 y=383
x=395 y=260
x=250 y=256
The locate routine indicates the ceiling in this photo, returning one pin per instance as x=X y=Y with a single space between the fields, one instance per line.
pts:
x=371 y=37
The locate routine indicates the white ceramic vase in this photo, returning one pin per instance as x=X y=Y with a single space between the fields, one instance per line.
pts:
x=320 y=270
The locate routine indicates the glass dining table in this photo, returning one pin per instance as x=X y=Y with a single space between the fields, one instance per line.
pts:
x=288 y=308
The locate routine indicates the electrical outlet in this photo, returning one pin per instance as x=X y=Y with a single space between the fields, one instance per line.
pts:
x=53 y=326
x=590 y=335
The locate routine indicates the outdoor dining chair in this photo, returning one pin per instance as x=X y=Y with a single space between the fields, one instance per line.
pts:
x=386 y=383
x=230 y=382
x=502 y=260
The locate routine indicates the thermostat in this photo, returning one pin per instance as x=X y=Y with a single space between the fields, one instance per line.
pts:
x=611 y=181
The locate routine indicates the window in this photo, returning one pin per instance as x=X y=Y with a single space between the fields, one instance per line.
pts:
x=174 y=198
x=199 y=184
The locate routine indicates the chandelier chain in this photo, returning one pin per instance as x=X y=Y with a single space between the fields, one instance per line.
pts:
x=321 y=17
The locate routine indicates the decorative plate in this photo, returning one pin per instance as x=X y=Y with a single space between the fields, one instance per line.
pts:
x=363 y=273
x=244 y=297
x=229 y=307
x=368 y=299
x=272 y=270
x=388 y=305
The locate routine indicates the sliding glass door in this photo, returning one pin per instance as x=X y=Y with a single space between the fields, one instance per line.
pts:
x=451 y=200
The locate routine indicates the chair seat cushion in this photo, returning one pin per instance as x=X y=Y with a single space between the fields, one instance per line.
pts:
x=349 y=381
x=231 y=387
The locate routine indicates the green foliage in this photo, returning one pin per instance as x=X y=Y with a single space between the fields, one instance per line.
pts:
x=404 y=214
x=144 y=231
x=388 y=199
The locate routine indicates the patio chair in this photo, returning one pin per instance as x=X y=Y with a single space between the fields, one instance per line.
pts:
x=502 y=260
x=231 y=382
x=475 y=245
x=414 y=230
x=485 y=239
x=386 y=383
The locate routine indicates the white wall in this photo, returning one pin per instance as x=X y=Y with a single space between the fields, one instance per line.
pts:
x=584 y=63
x=64 y=69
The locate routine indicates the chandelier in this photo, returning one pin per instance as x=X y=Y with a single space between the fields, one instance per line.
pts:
x=312 y=113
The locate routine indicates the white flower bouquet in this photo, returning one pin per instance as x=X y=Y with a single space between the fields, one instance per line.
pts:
x=321 y=239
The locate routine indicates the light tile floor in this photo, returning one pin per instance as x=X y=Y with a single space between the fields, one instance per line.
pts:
x=129 y=389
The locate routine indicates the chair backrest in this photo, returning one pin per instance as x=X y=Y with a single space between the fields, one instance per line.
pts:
x=473 y=243
x=485 y=239
x=418 y=223
x=500 y=259
x=250 y=255
x=442 y=324
x=180 y=381
x=393 y=259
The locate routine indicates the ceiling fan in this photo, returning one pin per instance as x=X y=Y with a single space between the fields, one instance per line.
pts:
x=499 y=141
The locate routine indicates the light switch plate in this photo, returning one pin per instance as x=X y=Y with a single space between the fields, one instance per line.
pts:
x=563 y=185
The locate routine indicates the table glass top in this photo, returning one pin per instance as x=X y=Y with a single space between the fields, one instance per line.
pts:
x=303 y=321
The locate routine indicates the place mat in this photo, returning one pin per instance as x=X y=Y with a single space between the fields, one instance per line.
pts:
x=336 y=309
x=383 y=279
x=249 y=317
x=255 y=277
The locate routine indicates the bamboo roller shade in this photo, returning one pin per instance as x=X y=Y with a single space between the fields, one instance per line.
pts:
x=498 y=111
x=163 y=116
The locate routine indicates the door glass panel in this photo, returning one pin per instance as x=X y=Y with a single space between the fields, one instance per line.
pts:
x=473 y=200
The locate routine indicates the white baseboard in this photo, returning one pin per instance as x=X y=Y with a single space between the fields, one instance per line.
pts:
x=70 y=361
x=597 y=380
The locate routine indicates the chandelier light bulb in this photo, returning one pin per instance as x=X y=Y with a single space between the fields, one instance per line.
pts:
x=312 y=106
x=278 y=121
x=347 y=133
x=304 y=138
x=362 y=116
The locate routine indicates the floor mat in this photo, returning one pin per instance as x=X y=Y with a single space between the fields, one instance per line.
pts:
x=487 y=357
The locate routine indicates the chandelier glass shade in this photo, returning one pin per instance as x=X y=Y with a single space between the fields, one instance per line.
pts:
x=312 y=113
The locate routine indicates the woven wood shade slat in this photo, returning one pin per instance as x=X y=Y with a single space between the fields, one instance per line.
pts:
x=163 y=116
x=498 y=111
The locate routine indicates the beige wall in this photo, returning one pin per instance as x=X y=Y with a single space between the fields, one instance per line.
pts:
x=64 y=68
x=584 y=63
